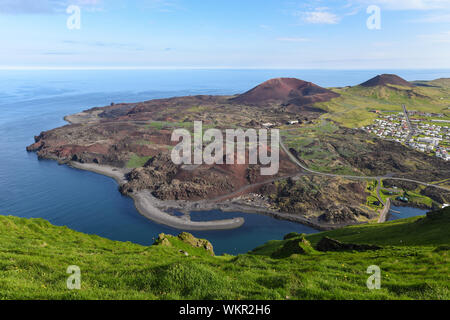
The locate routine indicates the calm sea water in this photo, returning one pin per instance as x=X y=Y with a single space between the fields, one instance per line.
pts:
x=405 y=212
x=35 y=101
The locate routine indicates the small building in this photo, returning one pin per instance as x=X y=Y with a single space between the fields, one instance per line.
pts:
x=402 y=199
x=268 y=125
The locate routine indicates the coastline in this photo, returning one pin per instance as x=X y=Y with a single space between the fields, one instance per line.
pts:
x=157 y=210
x=148 y=206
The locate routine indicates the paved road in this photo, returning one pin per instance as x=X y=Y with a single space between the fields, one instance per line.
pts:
x=297 y=162
x=408 y=121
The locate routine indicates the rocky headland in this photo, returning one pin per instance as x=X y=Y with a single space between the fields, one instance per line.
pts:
x=131 y=142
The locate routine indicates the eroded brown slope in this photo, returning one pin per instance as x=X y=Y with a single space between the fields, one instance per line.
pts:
x=288 y=91
x=386 y=79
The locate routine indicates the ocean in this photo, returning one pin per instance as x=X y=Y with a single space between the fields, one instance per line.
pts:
x=36 y=101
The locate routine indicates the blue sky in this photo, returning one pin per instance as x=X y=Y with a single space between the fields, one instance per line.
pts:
x=312 y=34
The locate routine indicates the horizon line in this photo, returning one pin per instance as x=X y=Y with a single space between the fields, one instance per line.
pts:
x=118 y=68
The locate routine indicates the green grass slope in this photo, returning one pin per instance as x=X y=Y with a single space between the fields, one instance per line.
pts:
x=352 y=108
x=34 y=256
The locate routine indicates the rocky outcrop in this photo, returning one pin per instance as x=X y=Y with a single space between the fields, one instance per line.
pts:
x=328 y=244
x=166 y=181
x=295 y=246
x=165 y=240
x=196 y=243
x=155 y=173
x=341 y=215
x=438 y=195
x=331 y=200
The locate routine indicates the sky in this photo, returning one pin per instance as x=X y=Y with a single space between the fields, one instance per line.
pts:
x=260 y=34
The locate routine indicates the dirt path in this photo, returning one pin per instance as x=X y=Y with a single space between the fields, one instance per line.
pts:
x=379 y=192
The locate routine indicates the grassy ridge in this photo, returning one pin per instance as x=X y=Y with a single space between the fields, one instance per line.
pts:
x=413 y=232
x=352 y=108
x=34 y=256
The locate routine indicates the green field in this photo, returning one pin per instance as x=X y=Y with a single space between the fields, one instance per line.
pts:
x=307 y=140
x=352 y=108
x=34 y=256
x=136 y=161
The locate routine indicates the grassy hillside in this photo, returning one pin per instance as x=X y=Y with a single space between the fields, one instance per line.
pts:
x=352 y=108
x=34 y=256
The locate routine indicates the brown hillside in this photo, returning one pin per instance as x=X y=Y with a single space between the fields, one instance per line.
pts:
x=385 y=79
x=286 y=91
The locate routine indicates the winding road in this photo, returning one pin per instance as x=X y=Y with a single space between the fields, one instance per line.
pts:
x=387 y=204
x=313 y=172
x=297 y=162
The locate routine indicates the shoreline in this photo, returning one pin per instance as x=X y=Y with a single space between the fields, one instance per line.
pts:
x=148 y=206
x=156 y=210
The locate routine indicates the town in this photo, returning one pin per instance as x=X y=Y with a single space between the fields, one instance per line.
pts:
x=425 y=132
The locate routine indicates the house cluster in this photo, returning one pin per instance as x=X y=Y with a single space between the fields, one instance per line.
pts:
x=394 y=127
x=269 y=125
x=291 y=122
x=443 y=154
x=425 y=114
x=424 y=144
x=431 y=131
x=425 y=136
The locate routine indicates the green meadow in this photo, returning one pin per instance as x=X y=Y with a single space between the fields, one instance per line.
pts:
x=414 y=263
x=353 y=108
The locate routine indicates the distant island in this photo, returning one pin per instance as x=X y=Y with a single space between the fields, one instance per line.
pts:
x=334 y=169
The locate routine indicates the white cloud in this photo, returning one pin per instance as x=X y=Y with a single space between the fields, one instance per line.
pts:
x=293 y=39
x=435 y=18
x=320 y=16
x=44 y=6
x=443 y=37
x=407 y=4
